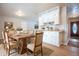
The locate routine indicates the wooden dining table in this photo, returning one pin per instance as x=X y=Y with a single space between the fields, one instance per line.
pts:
x=22 y=41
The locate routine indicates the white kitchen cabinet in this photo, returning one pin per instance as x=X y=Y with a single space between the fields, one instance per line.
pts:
x=53 y=37
x=51 y=15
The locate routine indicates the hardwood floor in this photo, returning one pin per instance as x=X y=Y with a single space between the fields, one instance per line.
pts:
x=53 y=51
x=63 y=50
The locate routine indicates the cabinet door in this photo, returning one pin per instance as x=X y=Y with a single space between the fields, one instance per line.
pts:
x=55 y=38
x=51 y=38
x=46 y=37
x=52 y=41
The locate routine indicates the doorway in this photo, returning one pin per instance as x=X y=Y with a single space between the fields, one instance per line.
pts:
x=73 y=29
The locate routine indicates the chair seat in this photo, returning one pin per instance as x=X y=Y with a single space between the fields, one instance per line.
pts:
x=30 y=46
x=13 y=43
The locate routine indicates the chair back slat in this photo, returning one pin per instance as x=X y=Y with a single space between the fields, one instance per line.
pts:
x=3 y=36
x=6 y=37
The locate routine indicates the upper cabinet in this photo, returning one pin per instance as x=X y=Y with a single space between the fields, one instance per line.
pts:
x=51 y=15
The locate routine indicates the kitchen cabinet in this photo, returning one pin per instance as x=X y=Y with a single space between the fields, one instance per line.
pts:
x=51 y=15
x=53 y=37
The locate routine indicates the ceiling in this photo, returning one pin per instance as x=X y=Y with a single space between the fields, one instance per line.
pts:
x=28 y=9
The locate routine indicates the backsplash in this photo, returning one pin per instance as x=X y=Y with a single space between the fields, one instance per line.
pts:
x=54 y=27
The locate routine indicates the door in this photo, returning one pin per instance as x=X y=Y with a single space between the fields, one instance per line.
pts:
x=74 y=29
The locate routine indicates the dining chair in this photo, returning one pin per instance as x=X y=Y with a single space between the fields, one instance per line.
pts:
x=34 y=32
x=36 y=47
x=9 y=43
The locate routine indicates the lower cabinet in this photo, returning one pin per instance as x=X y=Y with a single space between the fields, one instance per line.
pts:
x=53 y=37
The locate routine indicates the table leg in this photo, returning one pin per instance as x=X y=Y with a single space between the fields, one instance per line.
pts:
x=23 y=46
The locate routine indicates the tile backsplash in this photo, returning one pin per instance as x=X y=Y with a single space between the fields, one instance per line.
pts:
x=54 y=27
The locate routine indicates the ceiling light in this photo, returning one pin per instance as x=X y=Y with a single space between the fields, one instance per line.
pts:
x=19 y=13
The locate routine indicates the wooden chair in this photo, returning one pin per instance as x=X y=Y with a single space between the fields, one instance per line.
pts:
x=9 y=43
x=36 y=47
x=3 y=36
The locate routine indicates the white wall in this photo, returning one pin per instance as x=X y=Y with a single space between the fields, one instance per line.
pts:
x=64 y=22
x=24 y=23
x=29 y=24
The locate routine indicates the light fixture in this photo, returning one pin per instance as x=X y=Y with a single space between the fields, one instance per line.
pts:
x=19 y=13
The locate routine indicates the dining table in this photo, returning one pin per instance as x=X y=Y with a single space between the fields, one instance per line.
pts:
x=22 y=40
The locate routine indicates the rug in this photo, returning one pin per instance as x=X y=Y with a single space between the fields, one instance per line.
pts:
x=46 y=52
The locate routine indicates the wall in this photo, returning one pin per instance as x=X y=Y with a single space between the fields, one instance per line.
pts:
x=73 y=10
x=24 y=23
x=64 y=22
x=29 y=24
